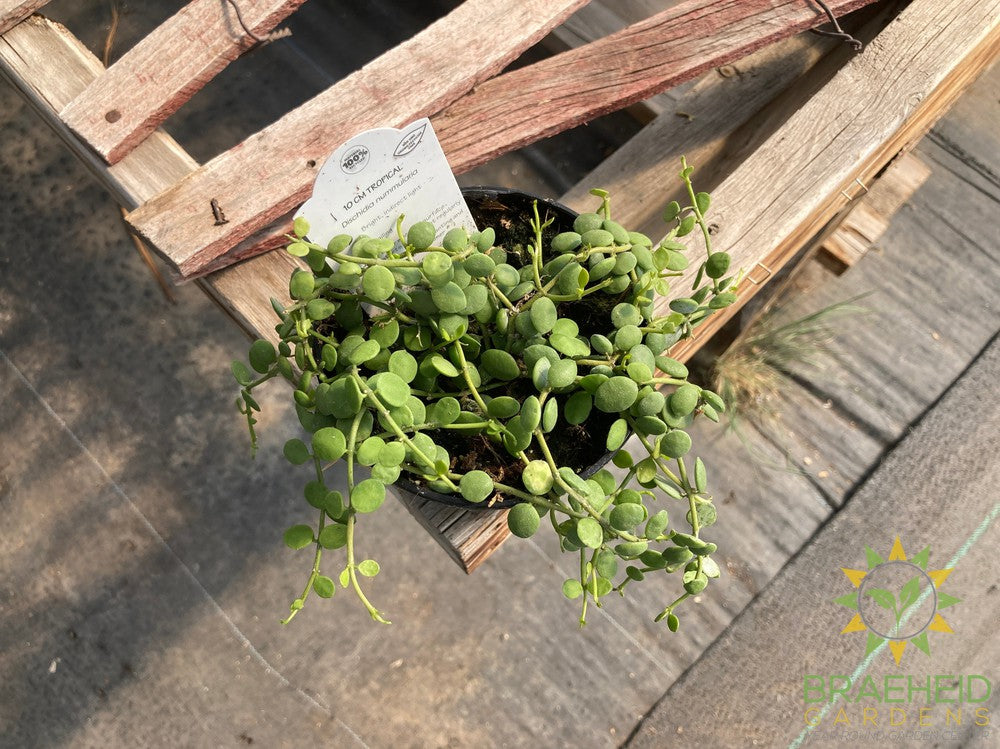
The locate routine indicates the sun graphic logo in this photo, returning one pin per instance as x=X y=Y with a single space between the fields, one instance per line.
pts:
x=897 y=600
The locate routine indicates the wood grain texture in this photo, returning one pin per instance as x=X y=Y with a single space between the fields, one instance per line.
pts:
x=698 y=125
x=272 y=172
x=152 y=80
x=643 y=59
x=49 y=67
x=14 y=11
x=787 y=190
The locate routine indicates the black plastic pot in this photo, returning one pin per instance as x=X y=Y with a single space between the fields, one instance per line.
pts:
x=487 y=202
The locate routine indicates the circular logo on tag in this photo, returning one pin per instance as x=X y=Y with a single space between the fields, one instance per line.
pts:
x=355 y=160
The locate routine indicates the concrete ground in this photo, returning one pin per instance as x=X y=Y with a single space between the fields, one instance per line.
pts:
x=142 y=573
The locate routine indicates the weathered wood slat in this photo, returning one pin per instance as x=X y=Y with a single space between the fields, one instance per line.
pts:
x=784 y=193
x=643 y=59
x=278 y=164
x=698 y=125
x=151 y=81
x=14 y=11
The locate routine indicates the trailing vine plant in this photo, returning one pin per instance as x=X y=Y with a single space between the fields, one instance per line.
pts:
x=395 y=347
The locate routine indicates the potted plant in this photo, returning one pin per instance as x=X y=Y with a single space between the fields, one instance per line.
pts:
x=501 y=370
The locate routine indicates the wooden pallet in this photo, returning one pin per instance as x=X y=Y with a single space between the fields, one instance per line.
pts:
x=800 y=152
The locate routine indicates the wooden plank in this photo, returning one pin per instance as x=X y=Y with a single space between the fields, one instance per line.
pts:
x=785 y=192
x=278 y=164
x=698 y=124
x=151 y=81
x=15 y=11
x=643 y=59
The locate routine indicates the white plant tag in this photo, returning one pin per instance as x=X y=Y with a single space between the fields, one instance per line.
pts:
x=376 y=176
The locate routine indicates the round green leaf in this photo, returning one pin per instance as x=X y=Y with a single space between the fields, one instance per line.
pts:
x=486 y=239
x=333 y=536
x=446 y=410
x=722 y=300
x=657 y=524
x=368 y=495
x=449 y=298
x=367 y=452
x=531 y=413
x=369 y=568
x=671 y=367
x=503 y=407
x=578 y=407
x=324 y=586
x=626 y=517
x=586 y=222
x=543 y=314
x=567 y=241
x=606 y=564
x=455 y=240
x=537 y=477
x=499 y=364
x=296 y=452
x=523 y=520
x=675 y=443
x=631 y=549
x=676 y=555
x=442 y=365
x=625 y=314
x=262 y=355
x=684 y=400
x=616 y=394
x=320 y=309
x=717 y=265
x=298 y=536
x=391 y=454
x=378 y=283
x=562 y=373
x=569 y=346
x=597 y=238
x=684 y=305
x=589 y=531
x=479 y=265
x=301 y=284
x=549 y=415
x=476 y=486
x=240 y=372
x=364 y=352
x=421 y=235
x=639 y=371
x=651 y=403
x=617 y=434
x=403 y=365
x=572 y=589
x=392 y=389
x=333 y=503
x=329 y=443
x=436 y=264
x=627 y=336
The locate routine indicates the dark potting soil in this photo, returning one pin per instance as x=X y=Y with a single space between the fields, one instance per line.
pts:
x=576 y=446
